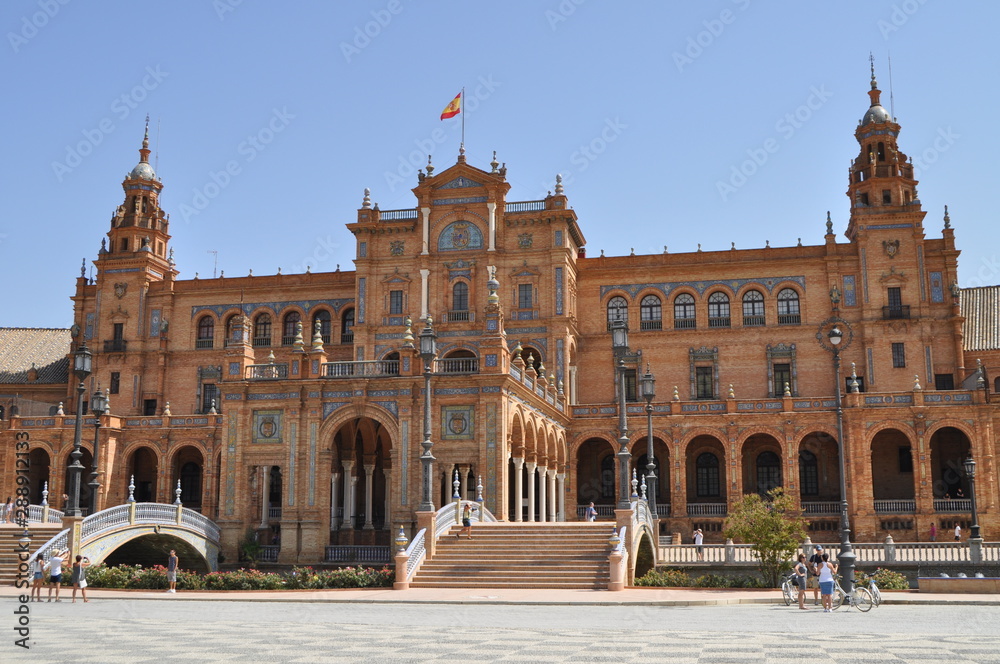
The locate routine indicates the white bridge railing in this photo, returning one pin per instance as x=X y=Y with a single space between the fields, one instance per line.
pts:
x=869 y=552
x=43 y=514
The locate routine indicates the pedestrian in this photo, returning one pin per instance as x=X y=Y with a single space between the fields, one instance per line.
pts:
x=826 y=572
x=591 y=513
x=37 y=570
x=65 y=502
x=699 y=538
x=801 y=574
x=80 y=577
x=55 y=563
x=959 y=494
x=814 y=560
x=8 y=511
x=958 y=533
x=933 y=531
x=172 y=571
x=466 y=521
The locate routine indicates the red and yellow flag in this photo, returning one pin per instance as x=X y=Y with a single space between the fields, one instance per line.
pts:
x=453 y=108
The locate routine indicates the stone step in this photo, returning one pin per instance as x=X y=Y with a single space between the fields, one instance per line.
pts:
x=504 y=585
x=9 y=538
x=510 y=575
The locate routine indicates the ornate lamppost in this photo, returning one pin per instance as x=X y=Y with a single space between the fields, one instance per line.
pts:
x=835 y=335
x=99 y=406
x=619 y=343
x=648 y=386
x=970 y=472
x=428 y=350
x=82 y=367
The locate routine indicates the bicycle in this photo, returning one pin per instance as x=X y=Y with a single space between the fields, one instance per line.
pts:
x=873 y=589
x=860 y=598
x=789 y=586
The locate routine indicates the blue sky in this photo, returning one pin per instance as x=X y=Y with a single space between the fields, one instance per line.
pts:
x=646 y=108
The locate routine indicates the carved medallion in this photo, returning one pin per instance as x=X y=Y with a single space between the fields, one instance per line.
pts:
x=120 y=290
x=396 y=247
x=891 y=247
x=525 y=240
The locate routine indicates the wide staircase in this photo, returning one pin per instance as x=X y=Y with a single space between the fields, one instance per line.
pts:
x=569 y=556
x=10 y=535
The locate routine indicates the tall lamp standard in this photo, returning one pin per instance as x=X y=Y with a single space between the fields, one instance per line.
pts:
x=428 y=350
x=834 y=341
x=99 y=406
x=82 y=366
x=619 y=343
x=970 y=472
x=648 y=387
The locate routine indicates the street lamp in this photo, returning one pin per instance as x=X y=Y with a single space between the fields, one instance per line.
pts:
x=970 y=472
x=619 y=343
x=835 y=341
x=648 y=387
x=99 y=406
x=428 y=350
x=82 y=366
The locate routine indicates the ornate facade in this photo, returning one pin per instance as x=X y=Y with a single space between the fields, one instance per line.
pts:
x=294 y=402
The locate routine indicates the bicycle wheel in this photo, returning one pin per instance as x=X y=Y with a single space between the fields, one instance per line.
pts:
x=863 y=600
x=876 y=595
x=786 y=592
x=838 y=598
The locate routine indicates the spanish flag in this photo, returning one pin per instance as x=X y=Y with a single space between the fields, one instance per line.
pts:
x=453 y=108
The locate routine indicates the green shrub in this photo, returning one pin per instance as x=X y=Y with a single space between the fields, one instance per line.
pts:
x=300 y=578
x=712 y=581
x=666 y=577
x=885 y=579
x=746 y=582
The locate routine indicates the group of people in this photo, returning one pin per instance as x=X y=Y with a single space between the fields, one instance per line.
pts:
x=817 y=573
x=934 y=531
x=54 y=567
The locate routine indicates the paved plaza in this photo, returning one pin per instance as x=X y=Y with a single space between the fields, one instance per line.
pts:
x=174 y=629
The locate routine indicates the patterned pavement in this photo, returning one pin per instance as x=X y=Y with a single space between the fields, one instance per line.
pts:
x=162 y=632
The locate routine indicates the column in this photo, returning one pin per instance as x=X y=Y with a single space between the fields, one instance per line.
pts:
x=531 y=490
x=518 y=489
x=542 y=482
x=424 y=274
x=265 y=494
x=333 y=501
x=491 y=207
x=426 y=211
x=369 y=473
x=561 y=491
x=552 y=494
x=349 y=484
x=463 y=479
x=386 y=473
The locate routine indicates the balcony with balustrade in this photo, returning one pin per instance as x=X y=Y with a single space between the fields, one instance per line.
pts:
x=361 y=369
x=267 y=371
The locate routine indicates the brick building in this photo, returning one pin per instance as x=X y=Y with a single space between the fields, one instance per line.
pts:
x=294 y=402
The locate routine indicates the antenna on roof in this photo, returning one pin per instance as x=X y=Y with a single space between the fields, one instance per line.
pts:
x=216 y=264
x=892 y=105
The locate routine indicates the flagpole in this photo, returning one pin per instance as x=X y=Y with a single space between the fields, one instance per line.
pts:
x=463 y=116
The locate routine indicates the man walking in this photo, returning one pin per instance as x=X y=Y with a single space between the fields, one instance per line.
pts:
x=172 y=571
x=815 y=560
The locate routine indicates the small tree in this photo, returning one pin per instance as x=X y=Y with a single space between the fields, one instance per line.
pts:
x=249 y=546
x=772 y=529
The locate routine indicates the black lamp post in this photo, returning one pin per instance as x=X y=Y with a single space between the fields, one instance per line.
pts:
x=648 y=387
x=619 y=342
x=970 y=472
x=428 y=350
x=82 y=366
x=99 y=406
x=832 y=342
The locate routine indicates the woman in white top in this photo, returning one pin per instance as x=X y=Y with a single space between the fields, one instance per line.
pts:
x=826 y=570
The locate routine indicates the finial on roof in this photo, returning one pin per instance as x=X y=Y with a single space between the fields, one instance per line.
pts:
x=430 y=167
x=145 y=137
x=366 y=203
x=279 y=269
x=83 y=268
x=170 y=258
x=800 y=242
x=559 y=184
x=494 y=164
x=104 y=246
x=829 y=224
x=871 y=60
x=767 y=244
x=461 y=152
x=947 y=219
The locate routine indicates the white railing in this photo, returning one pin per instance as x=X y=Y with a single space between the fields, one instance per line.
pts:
x=357 y=554
x=826 y=507
x=643 y=515
x=707 y=509
x=602 y=510
x=269 y=553
x=868 y=552
x=105 y=520
x=953 y=505
x=415 y=554
x=458 y=365
x=623 y=550
x=57 y=542
x=36 y=512
x=154 y=513
x=362 y=368
x=895 y=506
x=273 y=512
x=200 y=522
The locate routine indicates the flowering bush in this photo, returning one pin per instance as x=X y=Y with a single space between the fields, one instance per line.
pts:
x=300 y=578
x=885 y=579
x=667 y=577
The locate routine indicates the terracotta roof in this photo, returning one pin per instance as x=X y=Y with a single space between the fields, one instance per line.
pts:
x=981 y=308
x=45 y=348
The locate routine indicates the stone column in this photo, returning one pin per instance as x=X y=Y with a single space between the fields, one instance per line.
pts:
x=426 y=211
x=369 y=473
x=333 y=501
x=552 y=494
x=424 y=274
x=542 y=482
x=463 y=479
x=561 y=492
x=519 y=489
x=491 y=208
x=265 y=495
x=350 y=483
x=531 y=490
x=387 y=474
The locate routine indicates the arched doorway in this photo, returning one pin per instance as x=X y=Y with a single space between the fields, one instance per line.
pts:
x=819 y=469
x=360 y=482
x=892 y=464
x=187 y=467
x=761 y=464
x=661 y=461
x=595 y=475
x=143 y=467
x=949 y=448
x=706 y=477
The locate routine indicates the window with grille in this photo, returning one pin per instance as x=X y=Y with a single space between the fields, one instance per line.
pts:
x=704 y=383
x=262 y=330
x=460 y=297
x=718 y=310
x=395 y=302
x=617 y=309
x=898 y=355
x=524 y=293
x=209 y=394
x=707 y=475
x=347 y=327
x=289 y=328
x=753 y=308
x=808 y=473
x=782 y=377
x=768 y=472
x=788 y=307
x=684 y=311
x=116 y=381
x=650 y=313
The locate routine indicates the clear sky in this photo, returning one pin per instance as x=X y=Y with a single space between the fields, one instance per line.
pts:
x=648 y=109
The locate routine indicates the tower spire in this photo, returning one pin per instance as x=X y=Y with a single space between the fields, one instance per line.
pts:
x=144 y=152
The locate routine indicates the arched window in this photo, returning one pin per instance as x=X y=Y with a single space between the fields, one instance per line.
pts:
x=289 y=328
x=881 y=151
x=262 y=330
x=768 y=472
x=390 y=365
x=707 y=475
x=617 y=309
x=206 y=332
x=650 y=313
x=788 y=307
x=459 y=361
x=459 y=301
x=808 y=474
x=347 y=327
x=684 y=311
x=753 y=308
x=233 y=329
x=718 y=309
x=323 y=317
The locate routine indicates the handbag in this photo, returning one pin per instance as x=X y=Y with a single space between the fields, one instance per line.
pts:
x=83 y=583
